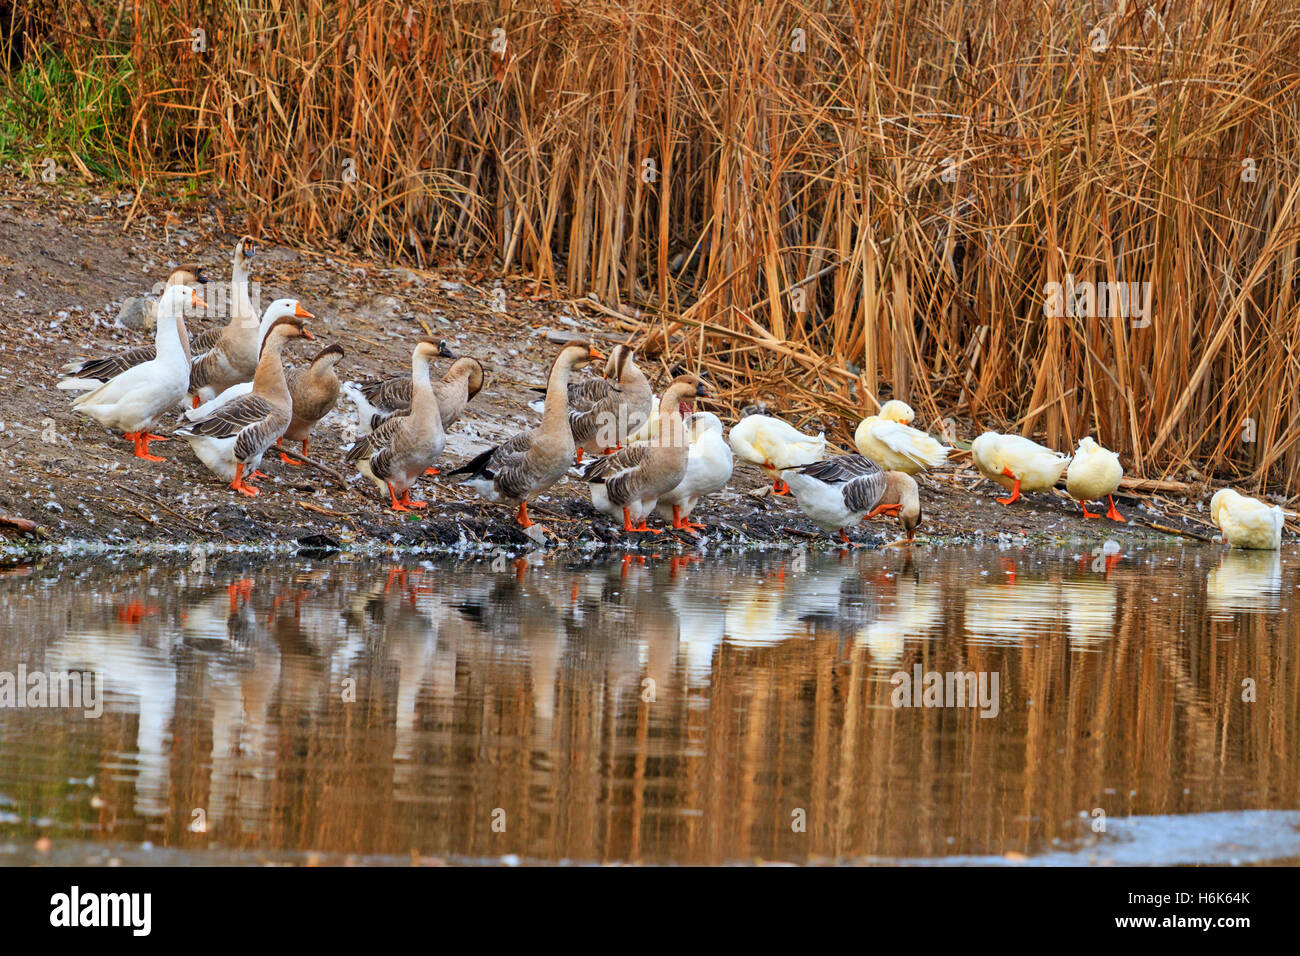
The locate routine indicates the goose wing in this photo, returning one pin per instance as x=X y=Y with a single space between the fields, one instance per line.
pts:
x=841 y=469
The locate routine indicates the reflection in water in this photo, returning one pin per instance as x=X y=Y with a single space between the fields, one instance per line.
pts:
x=1245 y=581
x=659 y=709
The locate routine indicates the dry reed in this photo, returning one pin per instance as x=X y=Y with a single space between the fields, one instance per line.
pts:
x=826 y=207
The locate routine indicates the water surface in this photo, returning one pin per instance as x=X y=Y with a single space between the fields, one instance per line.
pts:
x=721 y=709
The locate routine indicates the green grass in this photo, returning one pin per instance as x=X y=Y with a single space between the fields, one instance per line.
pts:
x=49 y=109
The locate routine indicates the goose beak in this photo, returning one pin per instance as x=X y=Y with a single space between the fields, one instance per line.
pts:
x=444 y=350
x=195 y=300
x=595 y=354
x=701 y=391
x=302 y=313
x=306 y=334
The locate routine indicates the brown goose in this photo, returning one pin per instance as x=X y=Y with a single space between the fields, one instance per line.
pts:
x=396 y=453
x=232 y=357
x=232 y=440
x=529 y=463
x=380 y=400
x=630 y=481
x=314 y=392
x=603 y=412
x=81 y=376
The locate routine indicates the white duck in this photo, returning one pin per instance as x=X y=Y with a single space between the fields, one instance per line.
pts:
x=890 y=440
x=709 y=463
x=1017 y=463
x=133 y=400
x=1246 y=522
x=775 y=446
x=1094 y=474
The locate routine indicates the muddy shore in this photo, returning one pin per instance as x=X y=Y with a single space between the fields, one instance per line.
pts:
x=68 y=261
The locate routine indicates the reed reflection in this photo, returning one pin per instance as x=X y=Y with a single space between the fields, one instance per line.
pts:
x=656 y=709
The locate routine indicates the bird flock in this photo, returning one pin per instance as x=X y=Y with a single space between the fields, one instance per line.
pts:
x=640 y=455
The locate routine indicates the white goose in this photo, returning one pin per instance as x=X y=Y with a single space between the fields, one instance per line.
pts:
x=276 y=310
x=134 y=399
x=775 y=446
x=846 y=489
x=709 y=464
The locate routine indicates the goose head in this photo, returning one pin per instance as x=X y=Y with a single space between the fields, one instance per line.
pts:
x=578 y=354
x=681 y=391
x=289 y=327
x=327 y=358
x=1221 y=499
x=179 y=300
x=469 y=369
x=245 y=249
x=901 y=488
x=187 y=274
x=701 y=423
x=278 y=310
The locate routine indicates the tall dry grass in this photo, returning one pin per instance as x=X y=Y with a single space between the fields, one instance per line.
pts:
x=847 y=201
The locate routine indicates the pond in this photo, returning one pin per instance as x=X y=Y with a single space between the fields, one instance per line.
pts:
x=1002 y=704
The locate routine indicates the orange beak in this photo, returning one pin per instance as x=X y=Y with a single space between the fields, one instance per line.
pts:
x=595 y=355
x=195 y=300
x=306 y=334
x=302 y=313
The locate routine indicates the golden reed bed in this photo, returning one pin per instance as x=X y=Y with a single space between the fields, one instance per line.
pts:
x=828 y=204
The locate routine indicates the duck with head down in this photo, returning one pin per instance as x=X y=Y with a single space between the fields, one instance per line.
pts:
x=628 y=483
x=846 y=489
x=524 y=466
x=232 y=440
x=403 y=447
x=314 y=392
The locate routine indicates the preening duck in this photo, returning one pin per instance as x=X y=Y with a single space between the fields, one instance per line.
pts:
x=135 y=398
x=775 y=446
x=399 y=451
x=1017 y=463
x=380 y=400
x=314 y=391
x=709 y=464
x=890 y=440
x=1246 y=522
x=603 y=412
x=629 y=482
x=846 y=489
x=232 y=440
x=527 y=464
x=92 y=373
x=1094 y=473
